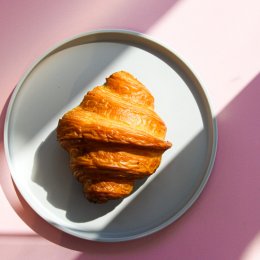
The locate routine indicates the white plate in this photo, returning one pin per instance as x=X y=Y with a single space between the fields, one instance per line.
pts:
x=56 y=83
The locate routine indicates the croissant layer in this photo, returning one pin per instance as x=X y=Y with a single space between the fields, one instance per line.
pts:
x=113 y=138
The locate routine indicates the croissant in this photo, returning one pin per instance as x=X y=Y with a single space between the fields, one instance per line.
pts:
x=113 y=137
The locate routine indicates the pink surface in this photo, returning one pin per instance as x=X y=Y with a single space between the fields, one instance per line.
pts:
x=221 y=40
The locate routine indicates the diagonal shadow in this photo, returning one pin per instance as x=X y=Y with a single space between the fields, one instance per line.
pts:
x=227 y=214
x=52 y=179
x=227 y=210
x=51 y=171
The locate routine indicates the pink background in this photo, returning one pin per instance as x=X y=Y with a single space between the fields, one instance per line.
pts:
x=221 y=41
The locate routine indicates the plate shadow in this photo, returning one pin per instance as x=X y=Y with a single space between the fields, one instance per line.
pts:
x=51 y=171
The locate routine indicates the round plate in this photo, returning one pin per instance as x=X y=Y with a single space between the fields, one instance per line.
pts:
x=56 y=83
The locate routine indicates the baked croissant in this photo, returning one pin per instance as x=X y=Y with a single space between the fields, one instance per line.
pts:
x=113 y=138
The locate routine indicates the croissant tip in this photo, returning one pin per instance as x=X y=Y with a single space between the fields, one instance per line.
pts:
x=169 y=144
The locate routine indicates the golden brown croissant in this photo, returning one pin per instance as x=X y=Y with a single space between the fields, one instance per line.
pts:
x=113 y=137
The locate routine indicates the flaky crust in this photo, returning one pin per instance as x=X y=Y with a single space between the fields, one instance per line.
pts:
x=113 y=137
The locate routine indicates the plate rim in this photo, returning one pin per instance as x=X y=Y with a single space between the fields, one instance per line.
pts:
x=213 y=121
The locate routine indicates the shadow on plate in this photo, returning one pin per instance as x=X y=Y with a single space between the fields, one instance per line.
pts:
x=51 y=171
